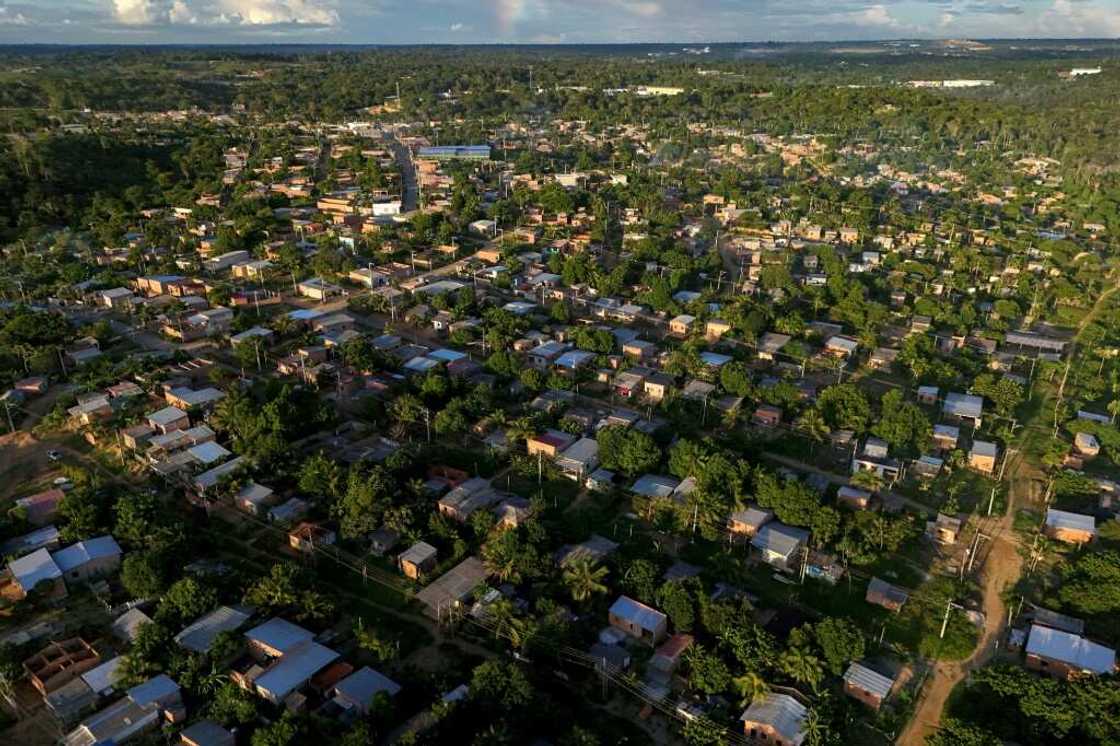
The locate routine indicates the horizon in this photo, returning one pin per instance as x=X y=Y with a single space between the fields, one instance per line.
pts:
x=547 y=22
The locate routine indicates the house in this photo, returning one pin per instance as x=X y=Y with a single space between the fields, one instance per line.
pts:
x=450 y=590
x=868 y=686
x=680 y=326
x=127 y=626
x=1065 y=655
x=289 y=658
x=254 y=499
x=595 y=549
x=770 y=344
x=840 y=346
x=628 y=384
x=638 y=620
x=874 y=458
x=140 y=711
x=639 y=349
x=418 y=560
x=28 y=572
x=358 y=690
x=964 y=408
x=579 y=459
x=780 y=545
x=306 y=536
x=982 y=456
x=1072 y=528
x=41 y=508
x=882 y=593
x=549 y=444
x=88 y=559
x=1086 y=445
x=856 y=499
x=470 y=496
x=318 y=289
x=716 y=328
x=206 y=733
x=775 y=719
x=657 y=386
x=199 y=636
x=748 y=522
x=543 y=356
x=928 y=394
x=882 y=357
x=944 y=530
x=945 y=437
x=115 y=298
x=655 y=486
x=767 y=415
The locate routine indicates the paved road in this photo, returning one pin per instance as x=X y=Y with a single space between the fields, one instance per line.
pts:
x=411 y=192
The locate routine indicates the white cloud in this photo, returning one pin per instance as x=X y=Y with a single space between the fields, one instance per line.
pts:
x=456 y=26
x=877 y=15
x=1082 y=18
x=223 y=12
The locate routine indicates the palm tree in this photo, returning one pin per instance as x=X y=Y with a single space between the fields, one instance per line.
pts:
x=583 y=579
x=503 y=617
x=750 y=687
x=816 y=732
x=802 y=666
x=812 y=423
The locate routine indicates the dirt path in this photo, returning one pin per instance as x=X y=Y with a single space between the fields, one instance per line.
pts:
x=1002 y=568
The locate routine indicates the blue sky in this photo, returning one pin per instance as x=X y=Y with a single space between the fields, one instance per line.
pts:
x=545 y=21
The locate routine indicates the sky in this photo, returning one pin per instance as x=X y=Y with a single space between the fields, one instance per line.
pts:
x=545 y=21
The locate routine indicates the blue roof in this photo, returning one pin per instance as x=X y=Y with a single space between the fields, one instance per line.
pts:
x=153 y=690
x=363 y=685
x=304 y=314
x=89 y=550
x=714 y=359
x=279 y=634
x=448 y=355
x=455 y=151
x=574 y=359
x=36 y=567
x=638 y=613
x=1072 y=649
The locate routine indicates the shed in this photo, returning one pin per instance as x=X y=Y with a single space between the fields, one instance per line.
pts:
x=638 y=620
x=866 y=685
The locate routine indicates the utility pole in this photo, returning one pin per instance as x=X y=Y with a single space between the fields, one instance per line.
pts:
x=945 y=622
x=8 y=411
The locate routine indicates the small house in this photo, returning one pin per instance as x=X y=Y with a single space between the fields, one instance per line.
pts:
x=853 y=498
x=1065 y=655
x=418 y=560
x=868 y=686
x=767 y=415
x=1071 y=528
x=775 y=719
x=638 y=620
x=680 y=326
x=780 y=545
x=882 y=593
x=748 y=522
x=982 y=457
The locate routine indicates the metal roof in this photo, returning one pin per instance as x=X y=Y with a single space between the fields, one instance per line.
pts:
x=864 y=678
x=167 y=415
x=294 y=668
x=637 y=613
x=655 y=485
x=781 y=711
x=208 y=453
x=418 y=553
x=1071 y=521
x=1072 y=649
x=200 y=635
x=363 y=685
x=279 y=634
x=963 y=405
x=105 y=676
x=86 y=551
x=153 y=690
x=779 y=539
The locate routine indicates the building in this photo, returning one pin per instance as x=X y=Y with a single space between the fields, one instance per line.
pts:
x=1072 y=528
x=206 y=733
x=289 y=657
x=59 y=663
x=358 y=690
x=579 y=459
x=42 y=507
x=549 y=444
x=681 y=325
x=201 y=634
x=716 y=328
x=853 y=498
x=418 y=560
x=866 y=685
x=453 y=588
x=88 y=559
x=306 y=536
x=780 y=545
x=767 y=415
x=882 y=593
x=982 y=456
x=638 y=620
x=964 y=408
x=775 y=720
x=1065 y=655
x=140 y=711
x=748 y=522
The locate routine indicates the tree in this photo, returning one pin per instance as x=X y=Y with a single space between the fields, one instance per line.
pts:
x=360 y=509
x=902 y=424
x=750 y=686
x=369 y=640
x=640 y=580
x=502 y=615
x=321 y=475
x=801 y=666
x=584 y=579
x=500 y=685
x=232 y=706
x=627 y=450
x=1091 y=583
x=844 y=407
x=186 y=600
x=813 y=425
x=840 y=642
x=142 y=575
x=283 y=732
x=676 y=600
x=703 y=732
x=707 y=672
x=954 y=732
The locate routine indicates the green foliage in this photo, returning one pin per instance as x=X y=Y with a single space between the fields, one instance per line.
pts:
x=1091 y=583
x=627 y=450
x=501 y=686
x=844 y=407
x=840 y=641
x=902 y=424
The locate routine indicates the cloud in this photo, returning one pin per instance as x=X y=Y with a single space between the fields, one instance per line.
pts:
x=9 y=17
x=457 y=26
x=225 y=12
